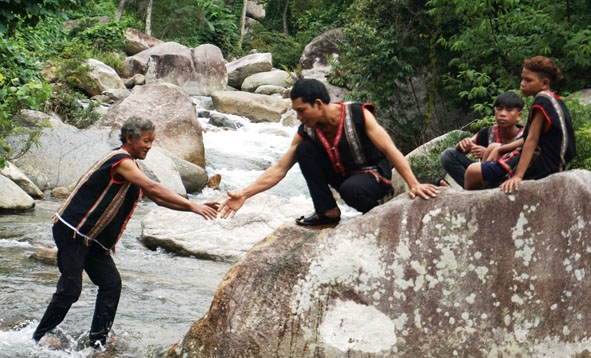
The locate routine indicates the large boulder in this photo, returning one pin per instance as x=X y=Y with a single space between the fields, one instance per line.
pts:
x=322 y=48
x=584 y=96
x=276 y=78
x=177 y=128
x=255 y=10
x=194 y=177
x=222 y=239
x=315 y=63
x=256 y=107
x=137 y=41
x=246 y=66
x=138 y=63
x=101 y=78
x=159 y=167
x=198 y=71
x=398 y=183
x=210 y=70
x=468 y=274
x=65 y=153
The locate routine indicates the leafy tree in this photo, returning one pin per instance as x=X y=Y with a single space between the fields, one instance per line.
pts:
x=289 y=26
x=30 y=12
x=191 y=22
x=465 y=51
x=30 y=95
x=492 y=37
x=389 y=54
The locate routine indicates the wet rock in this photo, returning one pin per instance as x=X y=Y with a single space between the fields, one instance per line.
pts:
x=47 y=256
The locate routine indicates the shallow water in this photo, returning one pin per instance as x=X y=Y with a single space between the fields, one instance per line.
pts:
x=163 y=295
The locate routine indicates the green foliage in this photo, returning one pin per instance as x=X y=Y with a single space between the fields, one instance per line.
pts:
x=66 y=103
x=285 y=50
x=466 y=53
x=91 y=38
x=31 y=95
x=90 y=33
x=72 y=68
x=387 y=44
x=427 y=167
x=21 y=87
x=191 y=22
x=29 y=12
x=493 y=38
x=581 y=115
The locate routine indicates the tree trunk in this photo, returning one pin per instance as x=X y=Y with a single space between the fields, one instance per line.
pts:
x=242 y=21
x=149 y=19
x=119 y=10
x=285 y=9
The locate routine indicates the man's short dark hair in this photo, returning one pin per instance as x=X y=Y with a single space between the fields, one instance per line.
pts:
x=309 y=90
x=509 y=100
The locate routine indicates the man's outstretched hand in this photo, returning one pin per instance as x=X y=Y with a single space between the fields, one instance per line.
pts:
x=231 y=205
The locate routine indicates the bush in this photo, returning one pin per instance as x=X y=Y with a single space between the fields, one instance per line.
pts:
x=427 y=167
x=67 y=104
x=285 y=50
x=32 y=95
x=582 y=125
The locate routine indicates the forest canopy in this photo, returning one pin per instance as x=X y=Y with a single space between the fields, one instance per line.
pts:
x=416 y=60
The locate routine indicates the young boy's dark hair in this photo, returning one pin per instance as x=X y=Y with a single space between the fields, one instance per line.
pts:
x=509 y=100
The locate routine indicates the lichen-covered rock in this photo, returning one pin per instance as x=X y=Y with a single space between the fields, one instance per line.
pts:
x=467 y=274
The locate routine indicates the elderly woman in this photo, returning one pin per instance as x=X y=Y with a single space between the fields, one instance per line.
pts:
x=88 y=225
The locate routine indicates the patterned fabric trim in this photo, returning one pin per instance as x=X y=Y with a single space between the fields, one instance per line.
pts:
x=563 y=146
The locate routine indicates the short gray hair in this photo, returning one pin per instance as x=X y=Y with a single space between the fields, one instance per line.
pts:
x=136 y=126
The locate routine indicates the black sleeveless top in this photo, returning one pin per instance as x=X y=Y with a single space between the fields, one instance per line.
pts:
x=100 y=205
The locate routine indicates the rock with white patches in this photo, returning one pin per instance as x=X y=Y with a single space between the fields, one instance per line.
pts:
x=468 y=274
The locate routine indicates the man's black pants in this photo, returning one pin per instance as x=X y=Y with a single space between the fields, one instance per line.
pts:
x=73 y=257
x=361 y=191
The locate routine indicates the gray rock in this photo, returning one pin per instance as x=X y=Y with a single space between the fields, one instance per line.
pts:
x=12 y=197
x=188 y=234
x=255 y=10
x=194 y=177
x=320 y=48
x=197 y=71
x=64 y=154
x=13 y=173
x=584 y=96
x=137 y=41
x=468 y=274
x=248 y=65
x=177 y=128
x=101 y=78
x=138 y=63
x=221 y=120
x=271 y=90
x=276 y=78
x=163 y=170
x=256 y=107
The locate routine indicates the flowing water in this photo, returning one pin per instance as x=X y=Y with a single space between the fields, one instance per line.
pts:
x=162 y=294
